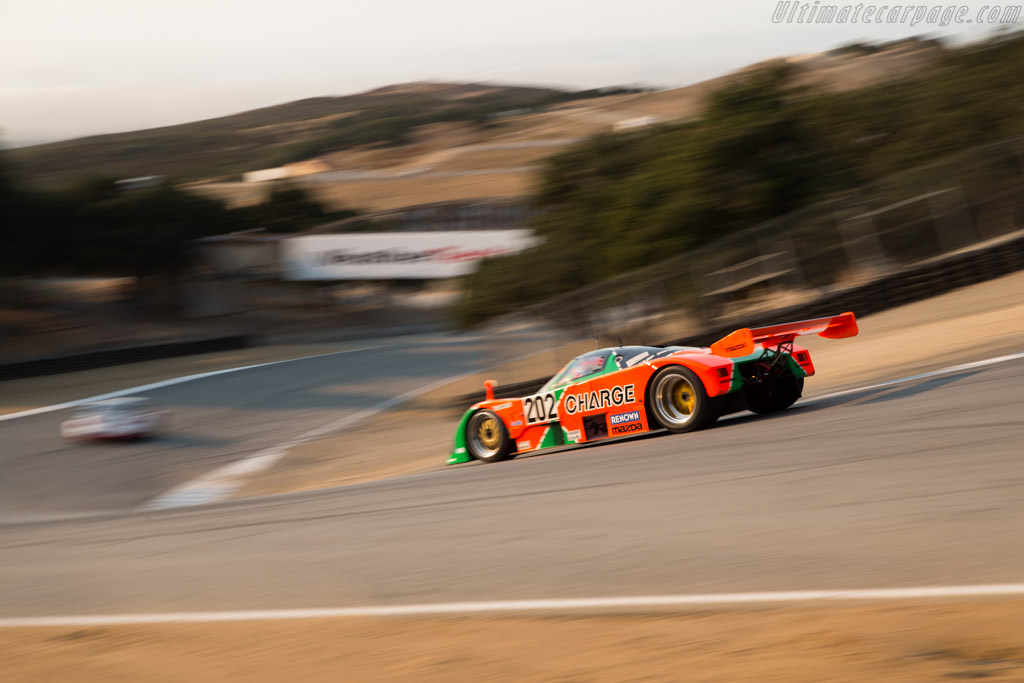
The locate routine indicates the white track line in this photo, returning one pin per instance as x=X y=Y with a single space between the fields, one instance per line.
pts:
x=925 y=375
x=170 y=382
x=224 y=481
x=565 y=604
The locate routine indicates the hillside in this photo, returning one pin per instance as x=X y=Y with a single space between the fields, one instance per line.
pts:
x=274 y=135
x=454 y=161
x=764 y=146
x=418 y=141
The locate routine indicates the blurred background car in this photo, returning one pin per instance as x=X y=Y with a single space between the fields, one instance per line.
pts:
x=127 y=419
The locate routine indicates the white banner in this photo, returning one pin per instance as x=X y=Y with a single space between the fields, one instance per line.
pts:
x=396 y=255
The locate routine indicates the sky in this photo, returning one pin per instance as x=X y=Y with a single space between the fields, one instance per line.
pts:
x=79 y=67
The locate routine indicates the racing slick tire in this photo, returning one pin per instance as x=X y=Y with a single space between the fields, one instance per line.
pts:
x=677 y=401
x=487 y=439
x=763 y=400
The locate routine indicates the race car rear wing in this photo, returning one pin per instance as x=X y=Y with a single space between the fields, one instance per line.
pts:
x=742 y=342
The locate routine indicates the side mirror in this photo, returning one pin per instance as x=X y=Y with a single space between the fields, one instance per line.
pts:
x=489 y=388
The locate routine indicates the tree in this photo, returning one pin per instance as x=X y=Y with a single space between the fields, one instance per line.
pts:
x=761 y=149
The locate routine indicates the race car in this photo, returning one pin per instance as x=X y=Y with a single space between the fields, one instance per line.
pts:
x=127 y=418
x=629 y=390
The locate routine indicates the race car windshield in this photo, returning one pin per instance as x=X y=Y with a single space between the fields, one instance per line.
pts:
x=577 y=369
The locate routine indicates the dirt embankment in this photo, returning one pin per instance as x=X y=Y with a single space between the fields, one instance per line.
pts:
x=878 y=642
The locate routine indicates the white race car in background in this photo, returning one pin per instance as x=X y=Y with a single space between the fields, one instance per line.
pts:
x=116 y=418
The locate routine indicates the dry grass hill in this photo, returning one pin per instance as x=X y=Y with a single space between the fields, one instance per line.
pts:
x=419 y=142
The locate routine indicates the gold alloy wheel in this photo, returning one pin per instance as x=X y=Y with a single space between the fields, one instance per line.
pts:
x=683 y=398
x=486 y=437
x=488 y=432
x=675 y=400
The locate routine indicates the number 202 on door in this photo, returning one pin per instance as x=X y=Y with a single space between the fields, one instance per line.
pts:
x=540 y=408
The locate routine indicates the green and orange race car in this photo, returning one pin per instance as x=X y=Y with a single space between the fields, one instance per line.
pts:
x=630 y=390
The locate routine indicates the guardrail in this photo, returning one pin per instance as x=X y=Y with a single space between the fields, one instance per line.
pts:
x=51 y=365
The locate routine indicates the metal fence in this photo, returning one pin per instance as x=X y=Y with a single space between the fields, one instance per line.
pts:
x=967 y=201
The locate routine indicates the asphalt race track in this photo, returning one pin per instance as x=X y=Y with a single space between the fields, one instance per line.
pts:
x=912 y=485
x=213 y=421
